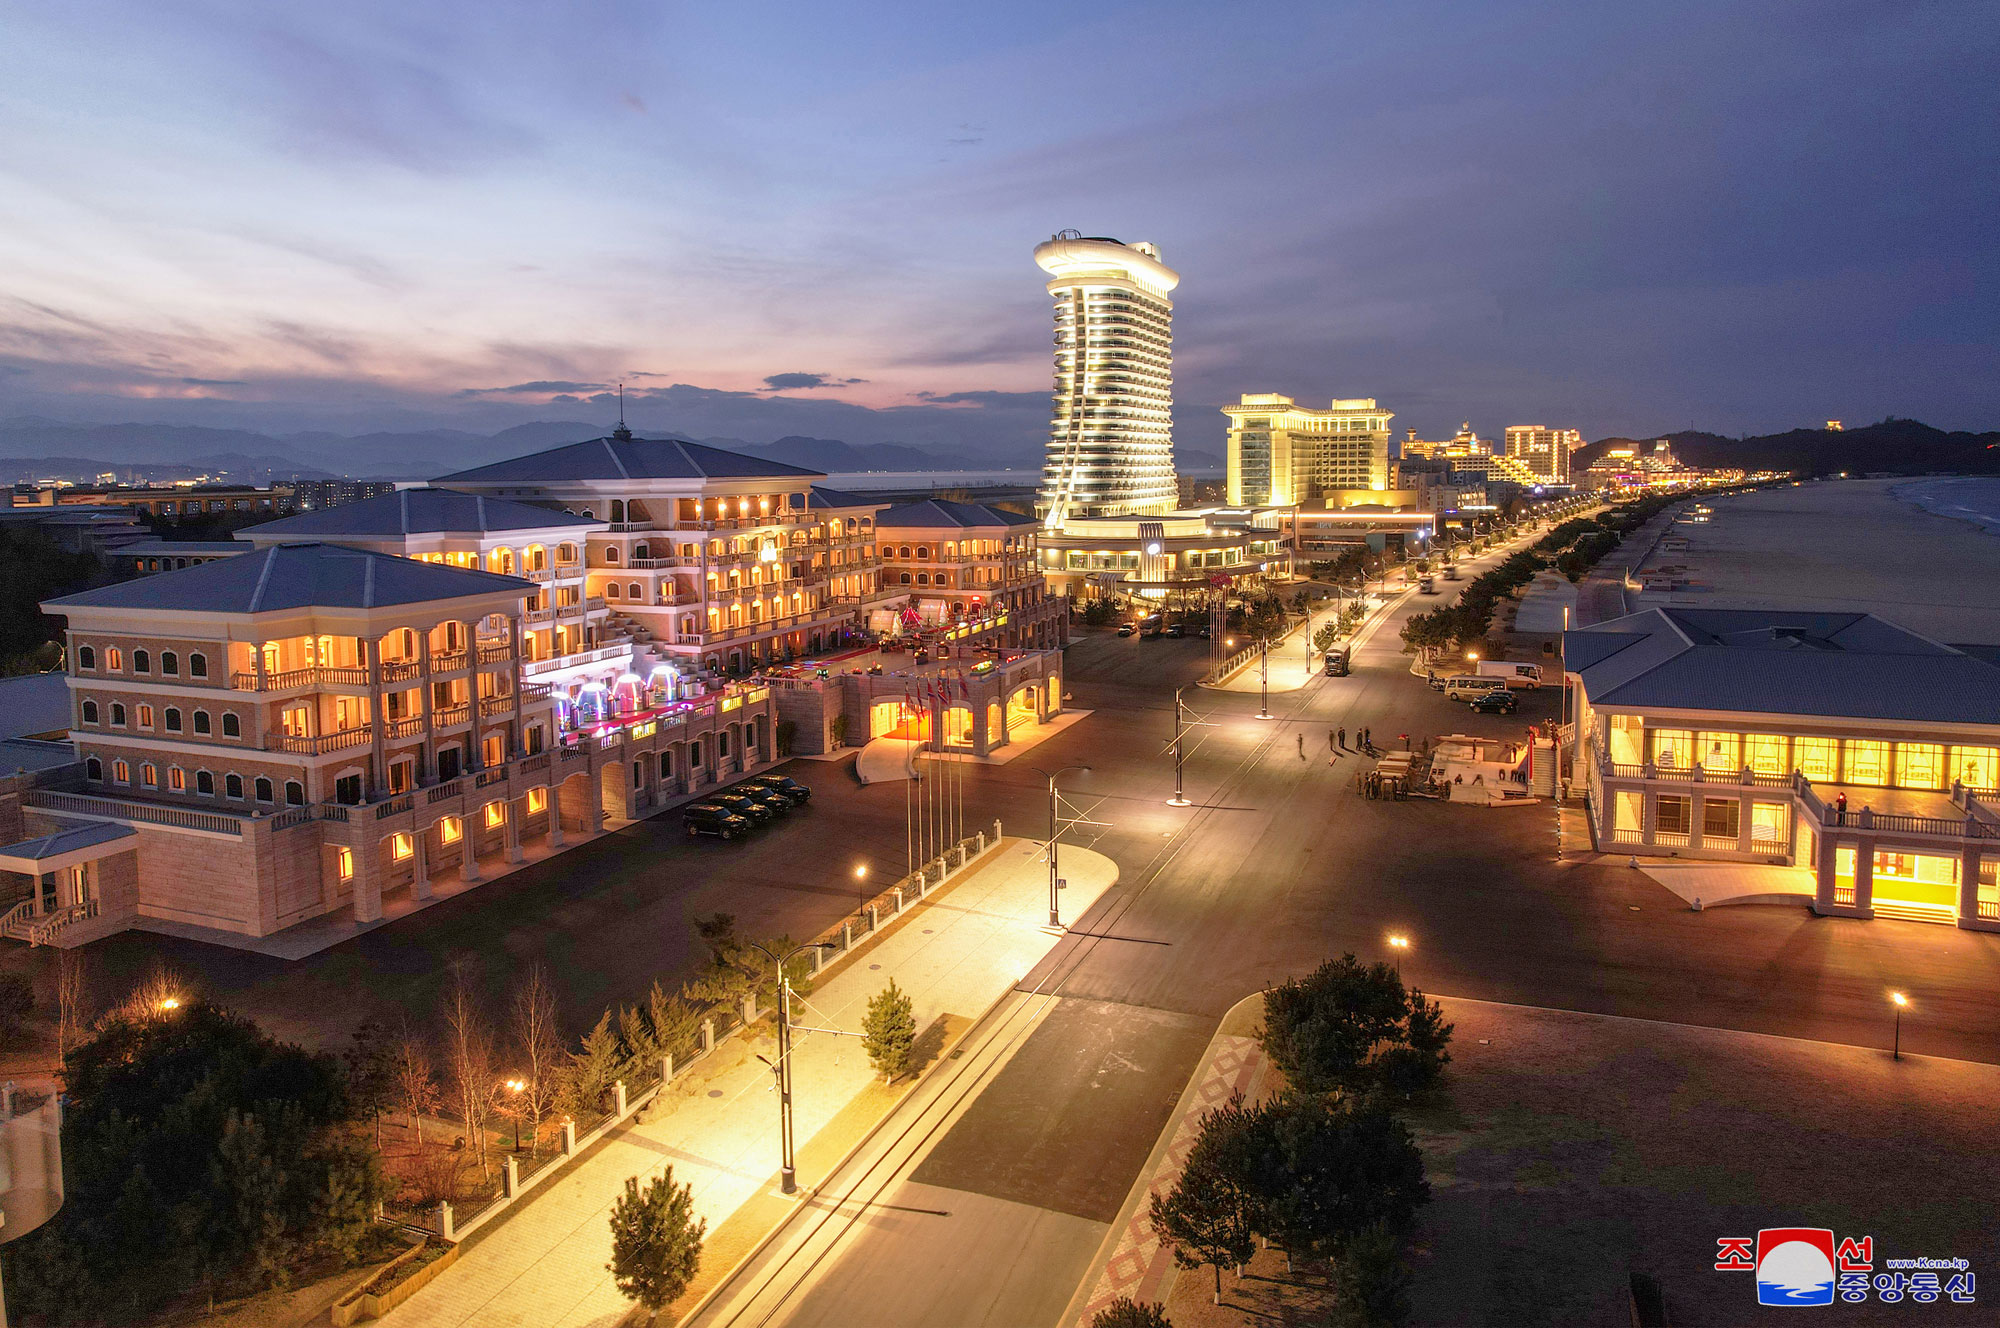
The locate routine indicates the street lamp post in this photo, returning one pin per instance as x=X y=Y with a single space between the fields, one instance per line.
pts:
x=1264 y=678
x=1055 y=909
x=781 y=1069
x=1399 y=943
x=1899 y=1000
x=515 y=1086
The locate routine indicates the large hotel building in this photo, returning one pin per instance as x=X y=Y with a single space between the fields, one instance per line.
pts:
x=342 y=714
x=1109 y=495
x=1111 y=446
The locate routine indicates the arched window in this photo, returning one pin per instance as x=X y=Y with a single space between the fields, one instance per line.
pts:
x=639 y=551
x=666 y=765
x=197 y=666
x=201 y=724
x=923 y=551
x=173 y=719
x=145 y=716
x=611 y=555
x=90 y=712
x=906 y=551
x=232 y=727
x=118 y=714
x=263 y=787
x=120 y=771
x=632 y=591
x=566 y=553
x=617 y=509
x=93 y=770
x=170 y=663
x=149 y=775
x=204 y=783
x=114 y=659
x=142 y=662
x=177 y=779
x=611 y=590
x=232 y=784
x=295 y=793
x=906 y=578
x=923 y=578
x=86 y=658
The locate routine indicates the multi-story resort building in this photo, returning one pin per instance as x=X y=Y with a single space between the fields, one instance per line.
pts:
x=1111 y=449
x=344 y=713
x=1280 y=454
x=1862 y=755
x=312 y=729
x=1181 y=558
x=711 y=560
x=948 y=563
x=1544 y=452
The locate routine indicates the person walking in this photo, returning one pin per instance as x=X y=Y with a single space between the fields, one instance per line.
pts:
x=1343 y=736
x=1302 y=746
x=1368 y=739
x=1330 y=743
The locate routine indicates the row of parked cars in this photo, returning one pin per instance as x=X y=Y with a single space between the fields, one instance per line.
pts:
x=735 y=811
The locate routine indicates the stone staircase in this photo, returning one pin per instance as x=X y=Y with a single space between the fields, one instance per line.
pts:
x=1915 y=912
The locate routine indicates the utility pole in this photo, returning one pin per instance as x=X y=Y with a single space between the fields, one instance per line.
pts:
x=781 y=1069
x=1180 y=798
x=1055 y=835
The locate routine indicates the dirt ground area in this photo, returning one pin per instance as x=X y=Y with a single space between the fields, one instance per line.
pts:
x=1574 y=1150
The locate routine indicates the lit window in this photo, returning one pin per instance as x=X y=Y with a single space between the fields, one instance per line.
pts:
x=401 y=847
x=451 y=830
x=1817 y=759
x=496 y=814
x=145 y=716
x=177 y=779
x=121 y=771
x=538 y=800
x=149 y=776
x=347 y=864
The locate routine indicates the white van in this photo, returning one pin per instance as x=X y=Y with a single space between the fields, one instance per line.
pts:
x=1521 y=677
x=1465 y=686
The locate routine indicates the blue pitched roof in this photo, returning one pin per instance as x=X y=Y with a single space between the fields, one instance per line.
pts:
x=1848 y=665
x=822 y=496
x=422 y=511
x=295 y=576
x=616 y=458
x=934 y=512
x=68 y=840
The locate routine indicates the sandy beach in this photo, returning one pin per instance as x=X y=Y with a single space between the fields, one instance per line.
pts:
x=1856 y=545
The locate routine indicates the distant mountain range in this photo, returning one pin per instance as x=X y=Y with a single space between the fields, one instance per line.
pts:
x=1902 y=447
x=37 y=447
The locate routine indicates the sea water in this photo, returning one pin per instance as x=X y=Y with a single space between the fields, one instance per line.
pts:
x=1971 y=498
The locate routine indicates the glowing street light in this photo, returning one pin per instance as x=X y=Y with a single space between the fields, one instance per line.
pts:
x=1399 y=943
x=170 y=1004
x=1899 y=1000
x=517 y=1087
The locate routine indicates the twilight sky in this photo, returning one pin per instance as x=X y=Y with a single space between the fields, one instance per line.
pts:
x=817 y=218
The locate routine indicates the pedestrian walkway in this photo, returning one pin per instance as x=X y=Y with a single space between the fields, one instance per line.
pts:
x=1718 y=883
x=1132 y=1262
x=888 y=758
x=955 y=955
x=1293 y=661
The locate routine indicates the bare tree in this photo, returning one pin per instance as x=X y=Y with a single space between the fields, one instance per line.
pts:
x=539 y=1048
x=416 y=1082
x=72 y=1003
x=468 y=1061
x=160 y=993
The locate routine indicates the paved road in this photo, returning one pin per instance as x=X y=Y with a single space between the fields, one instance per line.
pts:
x=1281 y=865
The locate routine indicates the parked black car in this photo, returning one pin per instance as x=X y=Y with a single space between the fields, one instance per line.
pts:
x=750 y=808
x=1499 y=701
x=783 y=784
x=706 y=818
x=779 y=803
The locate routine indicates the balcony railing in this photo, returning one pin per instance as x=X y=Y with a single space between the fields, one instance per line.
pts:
x=118 y=809
x=495 y=654
x=319 y=744
x=401 y=670
x=448 y=661
x=452 y=716
x=495 y=705
x=408 y=727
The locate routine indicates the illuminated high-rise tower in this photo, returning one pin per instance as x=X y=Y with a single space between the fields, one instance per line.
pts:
x=1111 y=444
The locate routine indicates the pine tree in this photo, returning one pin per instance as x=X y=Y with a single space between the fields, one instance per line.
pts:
x=655 y=1241
x=592 y=1068
x=890 y=1031
x=1206 y=1217
x=1125 y=1312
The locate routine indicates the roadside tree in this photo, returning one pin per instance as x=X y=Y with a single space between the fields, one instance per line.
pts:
x=655 y=1241
x=1206 y=1216
x=889 y=1031
x=1125 y=1312
x=1354 y=1028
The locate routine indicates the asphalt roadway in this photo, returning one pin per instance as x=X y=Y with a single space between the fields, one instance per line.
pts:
x=1280 y=865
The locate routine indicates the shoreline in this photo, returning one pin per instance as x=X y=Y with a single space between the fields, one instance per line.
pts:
x=1985 y=518
x=1844 y=546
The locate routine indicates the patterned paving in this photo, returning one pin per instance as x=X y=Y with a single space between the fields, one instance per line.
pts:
x=1139 y=1266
